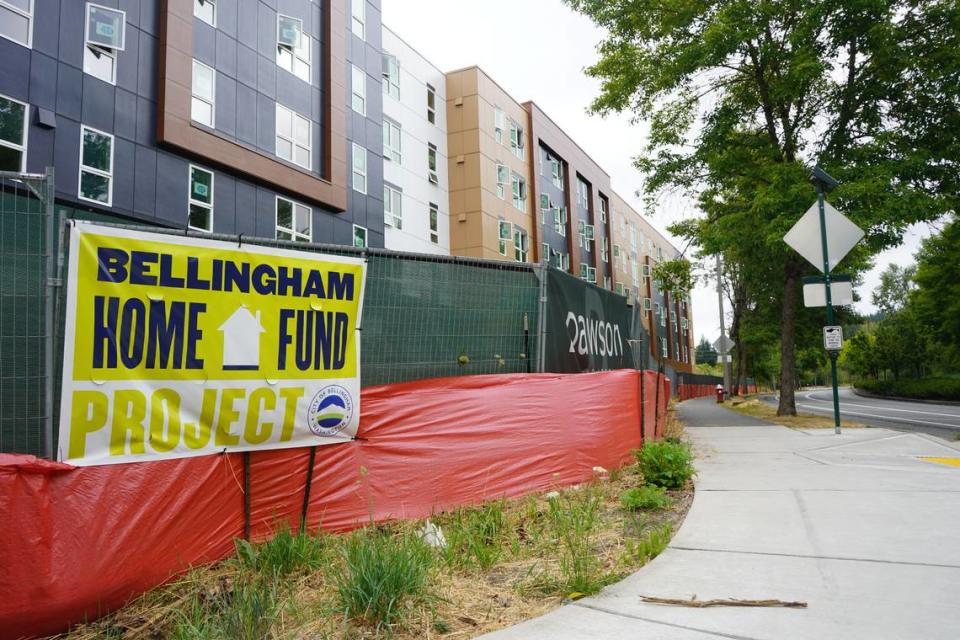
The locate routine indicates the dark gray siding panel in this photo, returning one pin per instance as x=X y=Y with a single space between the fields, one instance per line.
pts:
x=43 y=81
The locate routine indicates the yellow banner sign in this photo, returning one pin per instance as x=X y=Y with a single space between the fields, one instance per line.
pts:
x=183 y=346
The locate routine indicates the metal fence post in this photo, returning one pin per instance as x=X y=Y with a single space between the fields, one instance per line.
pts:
x=52 y=283
x=541 y=272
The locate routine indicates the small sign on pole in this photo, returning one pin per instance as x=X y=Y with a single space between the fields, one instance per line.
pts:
x=833 y=338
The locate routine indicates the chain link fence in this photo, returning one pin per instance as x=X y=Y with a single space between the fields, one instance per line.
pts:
x=28 y=233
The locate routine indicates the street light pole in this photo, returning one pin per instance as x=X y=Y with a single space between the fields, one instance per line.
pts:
x=723 y=330
x=826 y=279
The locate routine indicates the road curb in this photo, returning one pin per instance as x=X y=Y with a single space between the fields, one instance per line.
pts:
x=867 y=394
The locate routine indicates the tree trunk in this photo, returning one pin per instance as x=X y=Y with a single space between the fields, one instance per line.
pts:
x=788 y=405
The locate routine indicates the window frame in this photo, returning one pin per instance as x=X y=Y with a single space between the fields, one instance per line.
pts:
x=504 y=238
x=212 y=101
x=358 y=18
x=393 y=195
x=296 y=53
x=434 y=222
x=212 y=3
x=389 y=152
x=433 y=174
x=29 y=16
x=24 y=134
x=353 y=168
x=366 y=239
x=191 y=202
x=295 y=236
x=389 y=85
x=431 y=109
x=502 y=185
x=518 y=192
x=93 y=49
x=499 y=124
x=86 y=24
x=521 y=249
x=294 y=144
x=358 y=90
x=516 y=140
x=97 y=172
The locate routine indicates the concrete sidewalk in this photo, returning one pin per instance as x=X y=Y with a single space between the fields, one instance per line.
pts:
x=858 y=525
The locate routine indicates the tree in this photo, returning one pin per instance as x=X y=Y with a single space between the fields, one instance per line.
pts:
x=936 y=300
x=894 y=288
x=742 y=95
x=705 y=352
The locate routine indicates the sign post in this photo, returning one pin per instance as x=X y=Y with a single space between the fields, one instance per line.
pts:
x=843 y=235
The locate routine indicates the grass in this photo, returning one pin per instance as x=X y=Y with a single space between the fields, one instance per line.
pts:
x=645 y=497
x=754 y=407
x=505 y=561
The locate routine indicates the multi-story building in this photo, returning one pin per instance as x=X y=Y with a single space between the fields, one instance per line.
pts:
x=415 y=194
x=489 y=141
x=241 y=117
x=637 y=247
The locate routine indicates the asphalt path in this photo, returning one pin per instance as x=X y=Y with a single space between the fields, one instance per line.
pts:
x=940 y=420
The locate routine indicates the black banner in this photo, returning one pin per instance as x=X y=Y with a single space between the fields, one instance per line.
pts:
x=587 y=328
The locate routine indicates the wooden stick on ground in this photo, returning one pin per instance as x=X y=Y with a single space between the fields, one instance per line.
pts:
x=724 y=602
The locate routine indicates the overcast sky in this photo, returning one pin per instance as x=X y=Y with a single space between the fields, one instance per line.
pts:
x=537 y=50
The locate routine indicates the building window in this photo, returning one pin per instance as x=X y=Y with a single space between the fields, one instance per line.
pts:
x=392 y=207
x=391 y=141
x=359 y=236
x=603 y=211
x=683 y=323
x=616 y=251
x=358 y=24
x=663 y=347
x=587 y=272
x=294 y=137
x=520 y=244
x=200 y=214
x=359 y=168
x=604 y=249
x=502 y=175
x=556 y=173
x=546 y=208
x=519 y=188
x=391 y=76
x=506 y=231
x=16 y=21
x=619 y=288
x=13 y=135
x=293 y=47
x=431 y=105
x=100 y=63
x=659 y=253
x=647 y=304
x=583 y=194
x=560 y=220
x=545 y=251
x=434 y=223
x=206 y=10
x=358 y=82
x=516 y=140
x=96 y=166
x=294 y=221
x=432 y=163
x=204 y=94
x=499 y=122
x=645 y=270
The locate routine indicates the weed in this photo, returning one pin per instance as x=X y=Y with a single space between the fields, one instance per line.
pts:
x=476 y=537
x=284 y=554
x=651 y=545
x=647 y=497
x=242 y=609
x=380 y=574
x=666 y=464
x=575 y=516
x=441 y=626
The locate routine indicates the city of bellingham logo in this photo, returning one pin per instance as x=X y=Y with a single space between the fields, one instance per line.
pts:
x=330 y=411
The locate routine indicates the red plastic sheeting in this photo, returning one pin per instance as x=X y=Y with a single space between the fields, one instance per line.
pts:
x=79 y=542
x=690 y=391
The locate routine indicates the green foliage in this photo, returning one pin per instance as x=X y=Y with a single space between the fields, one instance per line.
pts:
x=894 y=288
x=666 y=464
x=923 y=388
x=283 y=554
x=646 y=497
x=244 y=608
x=936 y=300
x=705 y=353
x=650 y=545
x=742 y=96
x=475 y=536
x=380 y=574
x=575 y=516
x=675 y=276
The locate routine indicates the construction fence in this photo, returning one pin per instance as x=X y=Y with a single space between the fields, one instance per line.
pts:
x=425 y=316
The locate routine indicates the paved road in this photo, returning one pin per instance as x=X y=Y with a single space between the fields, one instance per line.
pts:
x=705 y=413
x=936 y=419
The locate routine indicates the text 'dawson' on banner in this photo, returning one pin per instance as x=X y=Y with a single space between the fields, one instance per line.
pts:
x=183 y=346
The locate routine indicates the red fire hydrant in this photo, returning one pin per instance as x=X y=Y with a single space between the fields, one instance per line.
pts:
x=719 y=393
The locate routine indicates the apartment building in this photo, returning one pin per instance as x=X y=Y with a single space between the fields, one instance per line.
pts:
x=490 y=169
x=416 y=209
x=241 y=117
x=637 y=247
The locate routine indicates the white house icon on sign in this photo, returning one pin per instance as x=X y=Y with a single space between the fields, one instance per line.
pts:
x=241 y=340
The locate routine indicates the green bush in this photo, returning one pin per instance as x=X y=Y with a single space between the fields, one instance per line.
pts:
x=381 y=573
x=285 y=553
x=647 y=497
x=920 y=388
x=666 y=464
